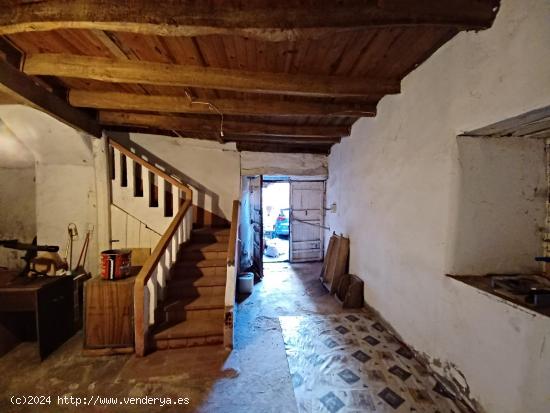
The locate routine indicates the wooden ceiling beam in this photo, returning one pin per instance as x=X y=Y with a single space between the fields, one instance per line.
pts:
x=126 y=71
x=209 y=126
x=181 y=104
x=10 y=53
x=286 y=148
x=292 y=140
x=270 y=21
x=24 y=90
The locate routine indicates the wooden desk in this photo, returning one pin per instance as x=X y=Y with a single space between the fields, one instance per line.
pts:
x=46 y=302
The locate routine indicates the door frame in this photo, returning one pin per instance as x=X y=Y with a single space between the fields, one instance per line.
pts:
x=258 y=265
x=285 y=180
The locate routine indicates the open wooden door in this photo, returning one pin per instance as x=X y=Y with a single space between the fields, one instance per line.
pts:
x=306 y=220
x=256 y=222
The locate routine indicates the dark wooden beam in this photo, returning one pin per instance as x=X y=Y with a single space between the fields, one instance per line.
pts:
x=291 y=140
x=126 y=71
x=23 y=90
x=181 y=104
x=278 y=148
x=10 y=53
x=532 y=124
x=210 y=126
x=270 y=21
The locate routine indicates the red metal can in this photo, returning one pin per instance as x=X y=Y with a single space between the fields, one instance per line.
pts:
x=115 y=264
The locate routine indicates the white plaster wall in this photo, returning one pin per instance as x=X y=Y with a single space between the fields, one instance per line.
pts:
x=266 y=163
x=212 y=169
x=17 y=195
x=397 y=183
x=65 y=178
x=18 y=214
x=66 y=194
x=49 y=140
x=502 y=205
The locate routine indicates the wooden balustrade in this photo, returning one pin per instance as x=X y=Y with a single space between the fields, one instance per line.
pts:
x=163 y=192
x=231 y=280
x=151 y=281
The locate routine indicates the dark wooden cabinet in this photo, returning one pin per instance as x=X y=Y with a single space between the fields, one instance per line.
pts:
x=39 y=309
x=109 y=316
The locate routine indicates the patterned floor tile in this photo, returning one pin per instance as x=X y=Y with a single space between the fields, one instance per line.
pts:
x=353 y=363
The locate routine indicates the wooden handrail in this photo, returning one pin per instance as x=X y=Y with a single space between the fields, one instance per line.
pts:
x=233 y=232
x=231 y=278
x=156 y=170
x=147 y=270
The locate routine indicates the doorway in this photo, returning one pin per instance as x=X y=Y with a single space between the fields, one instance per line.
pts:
x=282 y=220
x=276 y=220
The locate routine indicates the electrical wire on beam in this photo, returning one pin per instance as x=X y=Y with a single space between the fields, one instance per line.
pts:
x=211 y=107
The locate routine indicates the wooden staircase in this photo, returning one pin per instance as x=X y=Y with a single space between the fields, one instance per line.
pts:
x=192 y=313
x=184 y=294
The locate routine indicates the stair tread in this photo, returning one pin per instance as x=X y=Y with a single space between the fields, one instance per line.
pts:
x=204 y=281
x=191 y=328
x=206 y=247
x=211 y=230
x=205 y=302
x=201 y=262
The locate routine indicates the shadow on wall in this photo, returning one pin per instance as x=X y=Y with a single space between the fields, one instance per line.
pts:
x=501 y=205
x=202 y=216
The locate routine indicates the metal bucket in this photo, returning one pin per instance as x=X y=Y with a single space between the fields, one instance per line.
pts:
x=115 y=264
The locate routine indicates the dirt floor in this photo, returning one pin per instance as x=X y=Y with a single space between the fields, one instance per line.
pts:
x=254 y=377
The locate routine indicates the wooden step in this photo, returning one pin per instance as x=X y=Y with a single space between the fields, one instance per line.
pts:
x=188 y=308
x=178 y=272
x=175 y=316
x=175 y=291
x=190 y=333
x=208 y=302
x=211 y=230
x=191 y=328
x=197 y=281
x=210 y=235
x=201 y=263
x=189 y=255
x=173 y=343
x=206 y=247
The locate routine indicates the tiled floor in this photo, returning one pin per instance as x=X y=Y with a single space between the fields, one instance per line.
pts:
x=352 y=363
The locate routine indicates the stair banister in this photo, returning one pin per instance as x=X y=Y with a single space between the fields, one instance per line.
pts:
x=231 y=280
x=146 y=291
x=151 y=279
x=155 y=169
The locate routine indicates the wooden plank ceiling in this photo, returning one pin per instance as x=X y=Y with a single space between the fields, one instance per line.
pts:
x=290 y=76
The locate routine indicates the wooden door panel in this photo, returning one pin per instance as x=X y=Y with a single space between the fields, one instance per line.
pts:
x=306 y=231
x=307 y=219
x=257 y=222
x=307 y=214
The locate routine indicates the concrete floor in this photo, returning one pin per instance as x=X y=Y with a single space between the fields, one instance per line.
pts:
x=254 y=377
x=282 y=247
